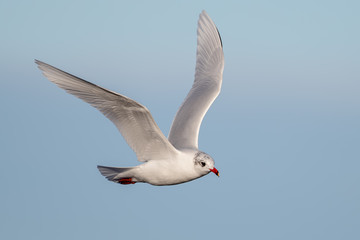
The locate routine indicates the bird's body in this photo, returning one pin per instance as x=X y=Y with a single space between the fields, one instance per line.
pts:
x=166 y=161
x=178 y=169
x=174 y=171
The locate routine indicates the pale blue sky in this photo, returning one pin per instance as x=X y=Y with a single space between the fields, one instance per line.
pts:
x=284 y=132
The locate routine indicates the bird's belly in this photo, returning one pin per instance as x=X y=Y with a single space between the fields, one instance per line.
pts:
x=158 y=173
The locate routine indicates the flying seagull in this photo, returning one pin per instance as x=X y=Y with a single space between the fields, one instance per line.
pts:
x=166 y=161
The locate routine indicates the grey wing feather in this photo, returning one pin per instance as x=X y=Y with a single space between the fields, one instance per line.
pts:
x=206 y=87
x=133 y=120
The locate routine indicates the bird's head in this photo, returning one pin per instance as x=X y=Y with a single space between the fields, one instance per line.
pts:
x=204 y=164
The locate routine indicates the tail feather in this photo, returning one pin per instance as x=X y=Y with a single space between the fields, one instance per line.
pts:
x=114 y=173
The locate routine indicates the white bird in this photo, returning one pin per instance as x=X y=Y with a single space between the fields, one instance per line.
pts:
x=166 y=161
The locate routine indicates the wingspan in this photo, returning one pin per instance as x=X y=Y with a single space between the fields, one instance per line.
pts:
x=206 y=87
x=133 y=120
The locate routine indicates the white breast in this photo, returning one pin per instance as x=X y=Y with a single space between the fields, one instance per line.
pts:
x=169 y=172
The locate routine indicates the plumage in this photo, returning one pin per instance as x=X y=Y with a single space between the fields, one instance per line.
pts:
x=166 y=161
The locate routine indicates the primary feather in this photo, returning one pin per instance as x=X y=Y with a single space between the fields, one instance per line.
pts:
x=206 y=87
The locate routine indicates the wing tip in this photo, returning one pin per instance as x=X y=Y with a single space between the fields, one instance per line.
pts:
x=42 y=66
x=219 y=37
x=203 y=12
x=204 y=16
x=38 y=62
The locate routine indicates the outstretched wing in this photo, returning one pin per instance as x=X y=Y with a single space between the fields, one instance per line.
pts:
x=133 y=120
x=206 y=87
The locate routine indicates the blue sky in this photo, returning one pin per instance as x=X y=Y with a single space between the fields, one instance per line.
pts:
x=284 y=132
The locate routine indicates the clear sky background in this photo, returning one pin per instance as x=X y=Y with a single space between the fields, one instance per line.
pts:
x=284 y=132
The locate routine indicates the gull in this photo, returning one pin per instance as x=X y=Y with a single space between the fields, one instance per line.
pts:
x=166 y=161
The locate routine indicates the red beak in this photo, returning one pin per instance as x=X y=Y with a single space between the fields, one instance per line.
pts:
x=214 y=170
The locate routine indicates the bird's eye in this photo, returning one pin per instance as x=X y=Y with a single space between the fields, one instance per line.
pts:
x=203 y=164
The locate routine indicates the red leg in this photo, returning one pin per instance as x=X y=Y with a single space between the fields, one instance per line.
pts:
x=126 y=181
